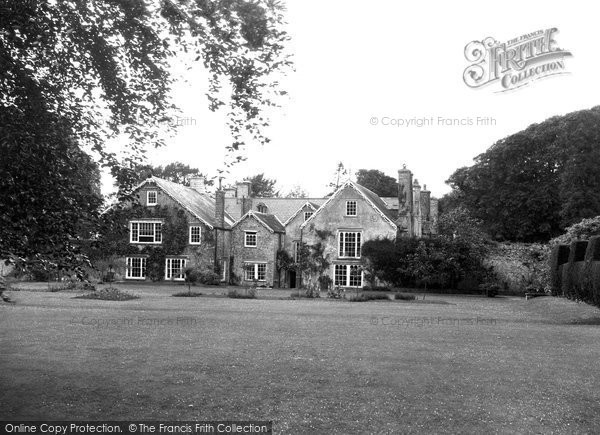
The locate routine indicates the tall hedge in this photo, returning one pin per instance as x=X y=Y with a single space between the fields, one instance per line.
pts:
x=579 y=278
x=558 y=256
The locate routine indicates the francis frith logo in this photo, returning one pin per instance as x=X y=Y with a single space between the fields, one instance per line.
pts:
x=515 y=63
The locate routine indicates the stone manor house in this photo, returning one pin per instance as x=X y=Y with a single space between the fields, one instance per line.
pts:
x=239 y=236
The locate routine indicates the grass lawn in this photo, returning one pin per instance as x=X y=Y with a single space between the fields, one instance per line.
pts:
x=449 y=364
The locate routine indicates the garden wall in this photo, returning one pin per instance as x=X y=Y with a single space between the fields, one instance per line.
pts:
x=575 y=270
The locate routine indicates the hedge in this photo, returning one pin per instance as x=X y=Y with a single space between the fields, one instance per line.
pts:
x=558 y=256
x=579 y=278
x=593 y=249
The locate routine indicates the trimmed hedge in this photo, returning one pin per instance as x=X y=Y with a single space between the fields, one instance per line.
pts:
x=577 y=250
x=579 y=278
x=558 y=257
x=593 y=249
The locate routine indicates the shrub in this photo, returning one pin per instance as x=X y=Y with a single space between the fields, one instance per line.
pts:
x=40 y=274
x=378 y=288
x=365 y=297
x=306 y=294
x=581 y=230
x=404 y=297
x=208 y=277
x=335 y=293
x=187 y=294
x=325 y=282
x=109 y=294
x=248 y=293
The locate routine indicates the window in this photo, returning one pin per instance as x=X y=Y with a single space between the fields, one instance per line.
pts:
x=262 y=208
x=350 y=208
x=255 y=271
x=195 y=233
x=349 y=243
x=347 y=275
x=308 y=214
x=145 y=232
x=151 y=197
x=250 y=239
x=296 y=251
x=175 y=269
x=136 y=268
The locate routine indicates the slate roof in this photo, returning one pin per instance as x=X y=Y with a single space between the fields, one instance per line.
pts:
x=198 y=204
x=381 y=205
x=270 y=221
x=371 y=197
x=283 y=208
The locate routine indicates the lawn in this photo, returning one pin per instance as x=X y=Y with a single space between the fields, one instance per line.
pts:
x=448 y=364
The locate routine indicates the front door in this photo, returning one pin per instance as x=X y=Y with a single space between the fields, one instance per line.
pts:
x=292 y=278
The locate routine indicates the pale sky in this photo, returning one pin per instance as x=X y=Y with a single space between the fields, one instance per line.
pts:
x=356 y=61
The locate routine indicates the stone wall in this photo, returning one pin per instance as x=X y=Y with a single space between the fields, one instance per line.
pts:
x=265 y=252
x=332 y=219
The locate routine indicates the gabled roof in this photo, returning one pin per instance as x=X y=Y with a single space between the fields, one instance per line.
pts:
x=269 y=221
x=200 y=205
x=308 y=203
x=369 y=196
x=283 y=208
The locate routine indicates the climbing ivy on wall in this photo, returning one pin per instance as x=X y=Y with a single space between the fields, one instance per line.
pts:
x=114 y=236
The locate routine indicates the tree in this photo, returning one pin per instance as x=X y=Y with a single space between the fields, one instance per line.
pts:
x=177 y=172
x=378 y=182
x=49 y=195
x=529 y=186
x=262 y=186
x=458 y=224
x=75 y=74
x=339 y=175
x=296 y=192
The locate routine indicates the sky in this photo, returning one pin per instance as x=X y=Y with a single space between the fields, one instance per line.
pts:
x=362 y=66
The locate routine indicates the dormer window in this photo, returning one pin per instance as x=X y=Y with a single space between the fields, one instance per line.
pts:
x=151 y=197
x=350 y=208
x=308 y=214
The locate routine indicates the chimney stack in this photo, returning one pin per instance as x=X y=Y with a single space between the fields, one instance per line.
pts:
x=434 y=214
x=425 y=203
x=198 y=183
x=405 y=191
x=243 y=189
x=405 y=202
x=220 y=208
x=417 y=197
x=243 y=196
